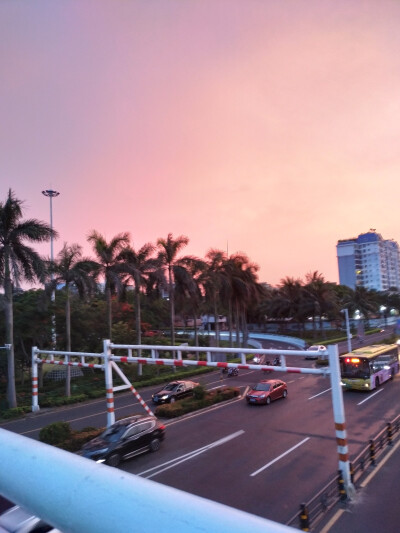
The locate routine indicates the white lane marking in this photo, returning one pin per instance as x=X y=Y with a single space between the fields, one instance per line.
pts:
x=83 y=417
x=319 y=394
x=190 y=455
x=280 y=457
x=206 y=410
x=371 y=396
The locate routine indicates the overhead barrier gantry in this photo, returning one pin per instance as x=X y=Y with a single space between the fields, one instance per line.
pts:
x=181 y=358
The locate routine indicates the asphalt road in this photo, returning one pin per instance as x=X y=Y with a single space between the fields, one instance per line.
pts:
x=262 y=459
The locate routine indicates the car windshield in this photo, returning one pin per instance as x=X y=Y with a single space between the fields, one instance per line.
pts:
x=171 y=386
x=262 y=387
x=113 y=434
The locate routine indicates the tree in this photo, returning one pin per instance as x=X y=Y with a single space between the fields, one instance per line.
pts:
x=291 y=301
x=73 y=270
x=109 y=265
x=322 y=297
x=188 y=277
x=18 y=262
x=167 y=255
x=138 y=265
x=242 y=290
x=215 y=280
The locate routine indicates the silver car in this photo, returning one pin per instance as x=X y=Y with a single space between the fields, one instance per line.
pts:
x=18 y=520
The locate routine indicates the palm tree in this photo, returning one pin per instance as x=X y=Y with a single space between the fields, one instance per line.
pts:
x=109 y=265
x=322 y=297
x=72 y=269
x=188 y=276
x=168 y=251
x=291 y=301
x=215 y=280
x=139 y=265
x=243 y=290
x=18 y=262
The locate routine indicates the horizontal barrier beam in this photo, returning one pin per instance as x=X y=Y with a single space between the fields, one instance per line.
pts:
x=76 y=494
x=270 y=351
x=67 y=363
x=180 y=362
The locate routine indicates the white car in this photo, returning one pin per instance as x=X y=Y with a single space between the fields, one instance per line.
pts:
x=315 y=348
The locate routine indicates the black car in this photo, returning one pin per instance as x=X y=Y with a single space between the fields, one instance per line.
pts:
x=174 y=391
x=125 y=439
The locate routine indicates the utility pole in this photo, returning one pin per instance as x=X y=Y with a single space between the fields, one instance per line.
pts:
x=52 y=194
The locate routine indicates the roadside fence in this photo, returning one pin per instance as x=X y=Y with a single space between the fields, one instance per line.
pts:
x=334 y=493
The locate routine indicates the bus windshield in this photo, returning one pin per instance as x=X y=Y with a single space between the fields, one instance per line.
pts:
x=355 y=367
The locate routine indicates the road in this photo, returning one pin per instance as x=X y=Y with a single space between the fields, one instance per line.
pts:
x=262 y=459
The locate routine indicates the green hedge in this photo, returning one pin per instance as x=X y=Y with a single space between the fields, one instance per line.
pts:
x=61 y=435
x=55 y=433
x=188 y=405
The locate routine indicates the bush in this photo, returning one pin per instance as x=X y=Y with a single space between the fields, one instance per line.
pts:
x=79 y=438
x=199 y=392
x=14 y=412
x=188 y=405
x=55 y=433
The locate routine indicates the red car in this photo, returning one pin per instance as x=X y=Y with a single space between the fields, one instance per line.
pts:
x=267 y=390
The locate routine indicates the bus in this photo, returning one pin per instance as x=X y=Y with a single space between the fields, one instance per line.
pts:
x=368 y=367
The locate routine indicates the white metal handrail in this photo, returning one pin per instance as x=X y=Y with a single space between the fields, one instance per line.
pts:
x=77 y=495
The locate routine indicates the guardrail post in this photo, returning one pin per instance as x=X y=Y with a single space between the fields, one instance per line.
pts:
x=342 y=488
x=352 y=472
x=389 y=434
x=372 y=453
x=304 y=518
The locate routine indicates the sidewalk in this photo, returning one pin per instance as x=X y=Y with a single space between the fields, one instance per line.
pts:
x=376 y=506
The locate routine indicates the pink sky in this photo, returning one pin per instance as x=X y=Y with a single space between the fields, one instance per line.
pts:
x=267 y=127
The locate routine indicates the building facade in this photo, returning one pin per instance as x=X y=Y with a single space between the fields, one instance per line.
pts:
x=369 y=261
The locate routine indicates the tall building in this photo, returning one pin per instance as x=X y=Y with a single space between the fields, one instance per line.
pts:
x=369 y=261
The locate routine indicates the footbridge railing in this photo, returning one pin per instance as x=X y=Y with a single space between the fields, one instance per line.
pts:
x=75 y=494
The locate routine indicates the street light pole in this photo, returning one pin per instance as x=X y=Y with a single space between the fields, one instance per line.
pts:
x=346 y=314
x=52 y=194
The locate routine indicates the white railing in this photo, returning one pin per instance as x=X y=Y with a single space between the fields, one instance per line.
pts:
x=77 y=495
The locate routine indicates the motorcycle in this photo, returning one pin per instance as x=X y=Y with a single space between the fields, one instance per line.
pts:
x=277 y=361
x=231 y=372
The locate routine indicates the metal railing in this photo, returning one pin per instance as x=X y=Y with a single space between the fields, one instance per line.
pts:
x=330 y=494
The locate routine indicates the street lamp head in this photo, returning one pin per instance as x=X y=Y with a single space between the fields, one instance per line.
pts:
x=50 y=193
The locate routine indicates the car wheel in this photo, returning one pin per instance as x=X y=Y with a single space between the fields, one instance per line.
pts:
x=284 y=393
x=114 y=460
x=155 y=445
x=377 y=383
x=268 y=400
x=172 y=400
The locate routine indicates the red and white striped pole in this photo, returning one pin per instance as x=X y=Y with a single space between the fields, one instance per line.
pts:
x=339 y=418
x=109 y=382
x=35 y=384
